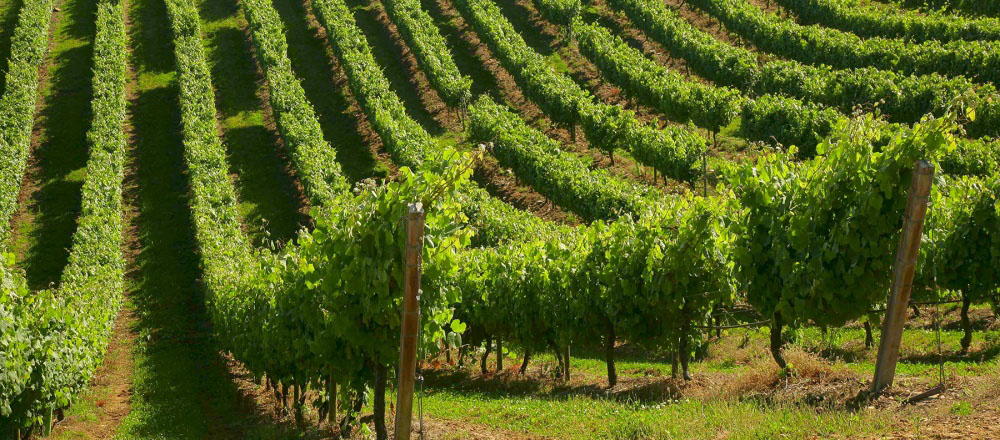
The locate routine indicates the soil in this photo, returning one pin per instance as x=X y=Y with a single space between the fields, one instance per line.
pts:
x=488 y=172
x=588 y=75
x=441 y=429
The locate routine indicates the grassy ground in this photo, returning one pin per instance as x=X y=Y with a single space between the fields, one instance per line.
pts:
x=50 y=197
x=580 y=416
x=737 y=391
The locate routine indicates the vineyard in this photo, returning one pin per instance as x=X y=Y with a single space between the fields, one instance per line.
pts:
x=640 y=219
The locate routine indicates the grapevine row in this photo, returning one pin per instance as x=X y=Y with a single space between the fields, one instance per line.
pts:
x=815 y=45
x=964 y=249
x=561 y=12
x=59 y=336
x=889 y=22
x=246 y=306
x=407 y=142
x=674 y=95
x=227 y=258
x=431 y=50
x=564 y=178
x=315 y=160
x=765 y=118
x=814 y=240
x=261 y=307
x=810 y=242
x=306 y=276
x=650 y=281
x=28 y=46
x=496 y=221
x=672 y=151
x=770 y=117
x=904 y=99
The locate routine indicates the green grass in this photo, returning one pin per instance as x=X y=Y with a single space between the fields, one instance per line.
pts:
x=918 y=351
x=654 y=408
x=44 y=230
x=270 y=204
x=844 y=348
x=314 y=67
x=8 y=21
x=586 y=417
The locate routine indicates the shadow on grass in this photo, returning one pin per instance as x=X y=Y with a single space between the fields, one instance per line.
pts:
x=315 y=69
x=846 y=354
x=61 y=155
x=978 y=325
x=988 y=354
x=509 y=384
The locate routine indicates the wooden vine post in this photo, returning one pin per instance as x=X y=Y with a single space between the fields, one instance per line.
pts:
x=902 y=275
x=411 y=320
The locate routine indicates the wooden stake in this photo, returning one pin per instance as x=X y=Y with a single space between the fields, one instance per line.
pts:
x=411 y=321
x=902 y=276
x=499 y=355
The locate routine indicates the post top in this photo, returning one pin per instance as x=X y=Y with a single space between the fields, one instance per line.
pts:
x=416 y=207
x=924 y=167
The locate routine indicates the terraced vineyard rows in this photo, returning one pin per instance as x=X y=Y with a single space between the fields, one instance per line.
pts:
x=235 y=235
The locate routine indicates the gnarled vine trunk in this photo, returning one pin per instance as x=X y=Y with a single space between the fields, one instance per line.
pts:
x=776 y=341
x=609 y=353
x=566 y=355
x=685 y=356
x=350 y=417
x=683 y=348
x=558 y=352
x=489 y=347
x=499 y=355
x=378 y=407
x=869 y=337
x=966 y=323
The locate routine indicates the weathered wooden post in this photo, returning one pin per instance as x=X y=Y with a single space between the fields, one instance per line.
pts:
x=902 y=275
x=411 y=320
